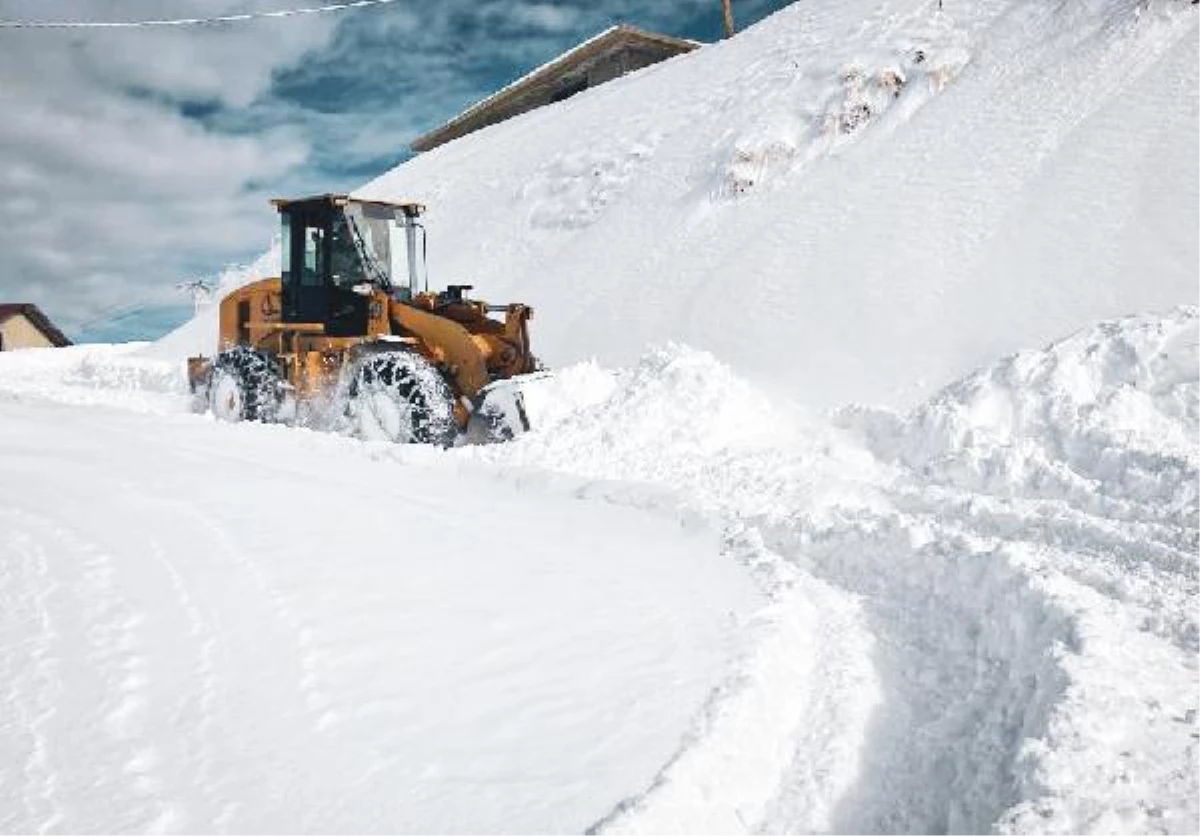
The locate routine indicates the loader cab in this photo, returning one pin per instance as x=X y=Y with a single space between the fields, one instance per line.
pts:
x=336 y=252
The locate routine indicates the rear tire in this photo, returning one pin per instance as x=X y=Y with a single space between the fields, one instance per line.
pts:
x=400 y=397
x=245 y=386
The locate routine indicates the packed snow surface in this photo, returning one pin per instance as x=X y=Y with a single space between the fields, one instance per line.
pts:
x=861 y=497
x=249 y=629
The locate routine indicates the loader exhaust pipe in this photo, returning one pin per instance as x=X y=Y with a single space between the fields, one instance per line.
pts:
x=411 y=213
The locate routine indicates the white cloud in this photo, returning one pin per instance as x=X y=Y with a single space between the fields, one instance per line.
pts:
x=110 y=195
x=546 y=16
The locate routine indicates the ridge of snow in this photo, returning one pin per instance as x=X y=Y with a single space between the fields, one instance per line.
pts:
x=1013 y=613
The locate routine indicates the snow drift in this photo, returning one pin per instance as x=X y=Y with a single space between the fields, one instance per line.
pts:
x=852 y=201
x=1001 y=584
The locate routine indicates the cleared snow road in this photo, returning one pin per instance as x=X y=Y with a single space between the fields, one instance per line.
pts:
x=253 y=629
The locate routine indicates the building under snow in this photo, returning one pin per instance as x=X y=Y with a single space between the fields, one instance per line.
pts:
x=25 y=326
x=611 y=54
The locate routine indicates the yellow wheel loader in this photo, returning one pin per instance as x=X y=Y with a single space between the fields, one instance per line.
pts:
x=350 y=336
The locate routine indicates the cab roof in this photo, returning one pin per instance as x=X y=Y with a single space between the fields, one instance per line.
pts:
x=344 y=200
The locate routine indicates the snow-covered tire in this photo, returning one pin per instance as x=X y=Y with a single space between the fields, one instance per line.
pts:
x=245 y=386
x=400 y=397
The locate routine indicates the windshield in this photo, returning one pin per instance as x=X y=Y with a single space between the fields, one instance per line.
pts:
x=369 y=246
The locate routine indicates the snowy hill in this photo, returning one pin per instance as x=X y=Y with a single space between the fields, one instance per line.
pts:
x=857 y=200
x=877 y=510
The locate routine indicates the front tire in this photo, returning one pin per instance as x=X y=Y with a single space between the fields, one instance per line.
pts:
x=245 y=386
x=400 y=397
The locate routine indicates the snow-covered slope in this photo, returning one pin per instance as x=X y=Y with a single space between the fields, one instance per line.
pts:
x=854 y=200
x=835 y=560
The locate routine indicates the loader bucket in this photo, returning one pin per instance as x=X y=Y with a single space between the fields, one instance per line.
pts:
x=499 y=414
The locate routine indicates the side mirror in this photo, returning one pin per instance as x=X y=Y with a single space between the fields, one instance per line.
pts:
x=363 y=289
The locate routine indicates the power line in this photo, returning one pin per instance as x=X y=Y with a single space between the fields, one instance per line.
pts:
x=190 y=21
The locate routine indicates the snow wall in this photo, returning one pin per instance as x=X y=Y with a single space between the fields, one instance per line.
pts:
x=851 y=201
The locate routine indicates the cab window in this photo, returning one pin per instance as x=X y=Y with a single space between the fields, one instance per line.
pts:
x=314 y=256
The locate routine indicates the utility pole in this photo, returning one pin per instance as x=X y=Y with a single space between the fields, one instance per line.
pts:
x=200 y=291
x=727 y=8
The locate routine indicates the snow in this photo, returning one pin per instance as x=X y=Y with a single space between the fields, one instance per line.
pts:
x=199 y=335
x=863 y=496
x=243 y=628
x=998 y=587
x=1034 y=170
x=120 y=376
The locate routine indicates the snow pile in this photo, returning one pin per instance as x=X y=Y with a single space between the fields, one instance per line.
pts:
x=676 y=402
x=552 y=397
x=96 y=375
x=1104 y=420
x=1077 y=466
x=1021 y=556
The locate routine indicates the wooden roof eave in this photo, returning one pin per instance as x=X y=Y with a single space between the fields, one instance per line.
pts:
x=593 y=47
x=37 y=319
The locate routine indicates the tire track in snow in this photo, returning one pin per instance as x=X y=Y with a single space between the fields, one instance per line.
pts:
x=111 y=772
x=965 y=646
x=1130 y=611
x=316 y=693
x=202 y=706
x=776 y=741
x=31 y=699
x=217 y=771
x=985 y=638
x=116 y=642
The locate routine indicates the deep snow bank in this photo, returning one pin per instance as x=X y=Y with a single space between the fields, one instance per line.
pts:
x=852 y=201
x=1074 y=469
x=1104 y=421
x=1011 y=568
x=120 y=376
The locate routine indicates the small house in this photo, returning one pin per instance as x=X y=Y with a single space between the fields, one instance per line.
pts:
x=25 y=326
x=611 y=54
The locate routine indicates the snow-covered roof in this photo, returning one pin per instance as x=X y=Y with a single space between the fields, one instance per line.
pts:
x=589 y=50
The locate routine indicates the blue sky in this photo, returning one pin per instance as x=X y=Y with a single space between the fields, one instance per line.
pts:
x=132 y=160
